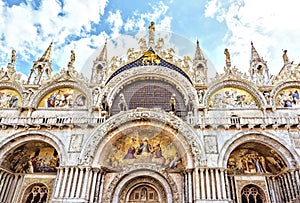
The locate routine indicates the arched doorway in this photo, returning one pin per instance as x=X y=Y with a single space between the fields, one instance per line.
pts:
x=142 y=189
x=252 y=194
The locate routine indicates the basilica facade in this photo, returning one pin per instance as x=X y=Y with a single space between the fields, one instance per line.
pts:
x=150 y=126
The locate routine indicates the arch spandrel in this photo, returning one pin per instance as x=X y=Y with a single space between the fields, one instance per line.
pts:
x=183 y=133
x=233 y=94
x=269 y=141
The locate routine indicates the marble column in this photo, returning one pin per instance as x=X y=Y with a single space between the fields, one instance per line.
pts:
x=93 y=186
x=101 y=187
x=190 y=186
x=197 y=184
x=69 y=185
x=85 y=182
x=58 y=182
x=4 y=181
x=63 y=186
x=207 y=178
x=203 y=195
x=79 y=185
x=213 y=184
x=8 y=187
x=224 y=183
x=219 y=185
x=74 y=185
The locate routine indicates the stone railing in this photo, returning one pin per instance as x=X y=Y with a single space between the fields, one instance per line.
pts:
x=239 y=121
x=203 y=122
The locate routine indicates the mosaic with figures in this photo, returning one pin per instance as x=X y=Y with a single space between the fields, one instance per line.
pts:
x=64 y=98
x=32 y=157
x=255 y=158
x=231 y=97
x=9 y=98
x=143 y=145
x=288 y=97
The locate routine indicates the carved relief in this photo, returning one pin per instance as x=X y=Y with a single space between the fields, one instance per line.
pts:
x=211 y=146
x=75 y=142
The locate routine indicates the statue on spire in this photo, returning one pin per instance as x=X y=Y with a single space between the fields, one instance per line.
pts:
x=228 y=60
x=72 y=58
x=151 y=29
x=13 y=56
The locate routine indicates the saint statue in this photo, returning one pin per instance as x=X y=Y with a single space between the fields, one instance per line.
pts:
x=13 y=56
x=227 y=54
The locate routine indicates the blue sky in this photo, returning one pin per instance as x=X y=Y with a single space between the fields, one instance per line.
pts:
x=28 y=26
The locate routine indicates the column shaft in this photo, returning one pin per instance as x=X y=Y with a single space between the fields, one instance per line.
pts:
x=69 y=185
x=58 y=182
x=190 y=186
x=197 y=184
x=213 y=184
x=93 y=187
x=207 y=178
x=203 y=195
x=219 y=185
x=79 y=186
x=74 y=185
x=63 y=186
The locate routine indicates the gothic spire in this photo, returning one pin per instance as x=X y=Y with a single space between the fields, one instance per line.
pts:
x=198 y=54
x=103 y=54
x=46 y=57
x=254 y=55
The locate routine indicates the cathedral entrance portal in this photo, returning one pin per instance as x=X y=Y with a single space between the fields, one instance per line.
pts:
x=141 y=190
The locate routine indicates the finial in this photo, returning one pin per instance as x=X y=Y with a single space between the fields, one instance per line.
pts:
x=72 y=59
x=228 y=60
x=151 y=30
x=13 y=56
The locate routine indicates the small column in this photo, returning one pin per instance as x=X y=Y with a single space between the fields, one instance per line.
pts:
x=186 y=183
x=190 y=186
x=89 y=184
x=297 y=176
x=203 y=195
x=8 y=187
x=69 y=185
x=232 y=189
x=58 y=182
x=287 y=185
x=13 y=186
x=197 y=184
x=93 y=186
x=213 y=184
x=291 y=184
x=63 y=186
x=97 y=189
x=3 y=186
x=219 y=185
x=84 y=187
x=79 y=186
x=207 y=183
x=101 y=187
x=283 y=189
x=276 y=192
x=223 y=184
x=74 y=185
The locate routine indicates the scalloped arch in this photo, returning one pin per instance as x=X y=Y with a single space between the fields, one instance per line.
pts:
x=281 y=87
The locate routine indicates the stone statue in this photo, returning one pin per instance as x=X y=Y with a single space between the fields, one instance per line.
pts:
x=151 y=29
x=173 y=103
x=286 y=58
x=13 y=56
x=227 y=54
x=122 y=103
x=72 y=58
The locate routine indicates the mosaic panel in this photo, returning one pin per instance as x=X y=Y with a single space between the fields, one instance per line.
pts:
x=10 y=98
x=288 y=97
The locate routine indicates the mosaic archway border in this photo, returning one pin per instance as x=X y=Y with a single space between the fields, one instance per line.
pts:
x=285 y=150
x=22 y=137
x=185 y=133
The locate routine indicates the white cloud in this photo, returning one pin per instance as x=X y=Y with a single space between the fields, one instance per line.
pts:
x=269 y=24
x=115 y=19
x=30 y=30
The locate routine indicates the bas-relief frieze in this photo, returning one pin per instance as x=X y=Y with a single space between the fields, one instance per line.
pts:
x=75 y=142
